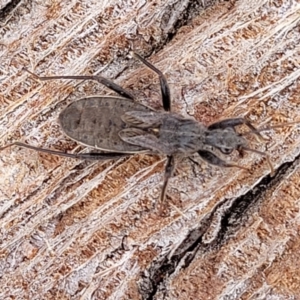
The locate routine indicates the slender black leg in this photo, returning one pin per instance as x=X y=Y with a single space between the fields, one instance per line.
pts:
x=215 y=160
x=108 y=83
x=193 y=161
x=232 y=123
x=165 y=90
x=85 y=156
x=169 y=169
x=262 y=154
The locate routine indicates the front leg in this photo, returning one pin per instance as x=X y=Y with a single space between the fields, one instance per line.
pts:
x=232 y=123
x=215 y=160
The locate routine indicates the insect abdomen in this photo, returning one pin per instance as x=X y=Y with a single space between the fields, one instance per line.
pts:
x=96 y=122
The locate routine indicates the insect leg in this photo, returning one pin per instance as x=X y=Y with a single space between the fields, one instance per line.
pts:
x=215 y=160
x=262 y=154
x=232 y=123
x=86 y=156
x=108 y=83
x=169 y=169
x=165 y=90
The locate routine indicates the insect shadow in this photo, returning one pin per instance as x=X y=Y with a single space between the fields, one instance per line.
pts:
x=120 y=126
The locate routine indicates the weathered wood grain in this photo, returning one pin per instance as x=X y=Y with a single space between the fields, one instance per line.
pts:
x=86 y=230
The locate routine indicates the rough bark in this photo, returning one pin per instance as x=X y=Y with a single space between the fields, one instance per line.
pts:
x=85 y=230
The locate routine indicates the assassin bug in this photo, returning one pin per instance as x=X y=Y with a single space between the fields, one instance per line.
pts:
x=120 y=126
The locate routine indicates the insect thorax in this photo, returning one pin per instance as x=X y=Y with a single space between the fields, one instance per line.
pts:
x=181 y=136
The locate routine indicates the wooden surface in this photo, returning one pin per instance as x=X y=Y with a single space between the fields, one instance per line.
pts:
x=85 y=230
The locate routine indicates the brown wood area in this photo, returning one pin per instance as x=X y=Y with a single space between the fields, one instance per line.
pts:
x=73 y=229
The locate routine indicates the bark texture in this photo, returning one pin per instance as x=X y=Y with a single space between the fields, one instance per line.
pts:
x=72 y=229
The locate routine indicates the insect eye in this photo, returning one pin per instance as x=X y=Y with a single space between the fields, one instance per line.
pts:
x=226 y=150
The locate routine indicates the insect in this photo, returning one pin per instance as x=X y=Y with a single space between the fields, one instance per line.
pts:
x=120 y=126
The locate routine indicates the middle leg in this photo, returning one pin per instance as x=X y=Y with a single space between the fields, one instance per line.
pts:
x=165 y=90
x=108 y=83
x=169 y=170
x=84 y=156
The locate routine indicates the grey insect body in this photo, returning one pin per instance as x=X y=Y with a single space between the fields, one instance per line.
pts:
x=120 y=126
